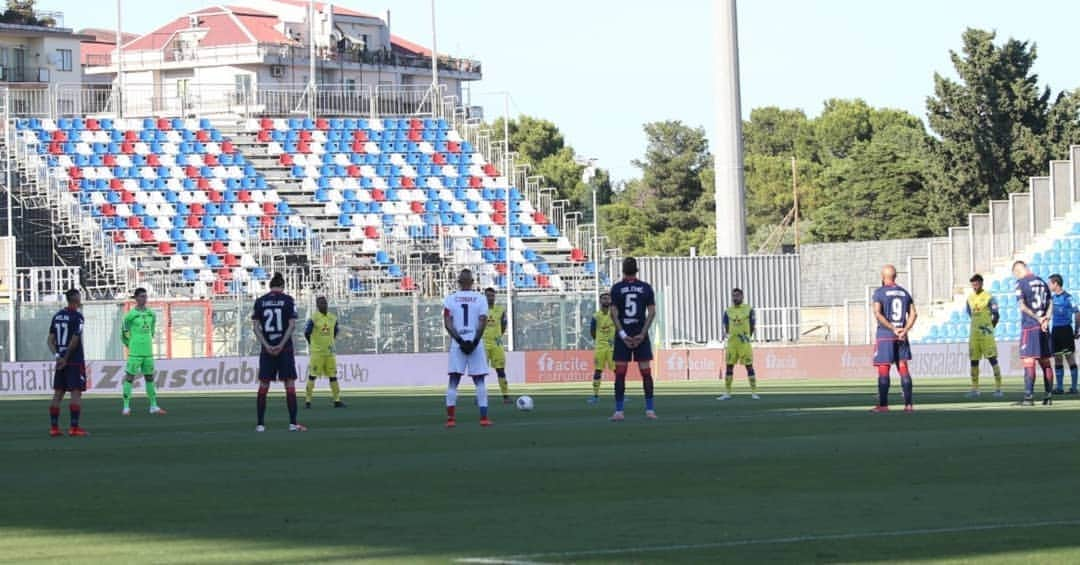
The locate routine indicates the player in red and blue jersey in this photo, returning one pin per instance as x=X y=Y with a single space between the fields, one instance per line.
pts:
x=274 y=319
x=1036 y=312
x=895 y=313
x=65 y=341
x=633 y=308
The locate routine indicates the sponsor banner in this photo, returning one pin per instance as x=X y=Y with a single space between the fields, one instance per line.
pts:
x=429 y=369
x=241 y=373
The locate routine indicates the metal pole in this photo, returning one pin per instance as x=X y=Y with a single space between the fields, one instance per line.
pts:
x=795 y=197
x=509 y=213
x=13 y=279
x=311 y=57
x=596 y=246
x=730 y=192
x=434 y=54
x=119 y=60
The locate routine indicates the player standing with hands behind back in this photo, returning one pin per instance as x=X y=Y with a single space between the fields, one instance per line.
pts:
x=274 y=319
x=895 y=313
x=633 y=308
x=65 y=341
x=465 y=314
x=1036 y=311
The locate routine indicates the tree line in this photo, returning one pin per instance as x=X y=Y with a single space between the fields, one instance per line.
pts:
x=864 y=172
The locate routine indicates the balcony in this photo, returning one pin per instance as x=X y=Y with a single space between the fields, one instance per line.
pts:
x=24 y=74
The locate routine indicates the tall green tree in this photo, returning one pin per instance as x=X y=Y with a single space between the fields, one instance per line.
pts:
x=991 y=123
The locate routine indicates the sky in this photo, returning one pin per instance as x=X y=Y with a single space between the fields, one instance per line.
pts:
x=600 y=69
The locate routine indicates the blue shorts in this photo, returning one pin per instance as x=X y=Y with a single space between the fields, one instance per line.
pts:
x=1035 y=343
x=624 y=354
x=280 y=368
x=71 y=377
x=889 y=351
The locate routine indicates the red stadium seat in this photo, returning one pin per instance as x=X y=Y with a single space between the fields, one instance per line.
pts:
x=215 y=196
x=164 y=124
x=131 y=136
x=56 y=148
x=265 y=234
x=218 y=247
x=203 y=184
x=475 y=182
x=265 y=136
x=73 y=185
x=543 y=281
x=92 y=124
x=108 y=210
x=358 y=147
x=75 y=173
x=303 y=147
x=116 y=184
x=153 y=160
x=231 y=260
x=353 y=171
x=500 y=268
x=499 y=218
x=322 y=123
x=266 y=221
x=127 y=147
x=407 y=284
x=371 y=232
x=266 y=123
x=202 y=135
x=219 y=287
x=228 y=147
x=540 y=218
x=194 y=221
x=59 y=135
x=244 y=196
x=490 y=244
x=210 y=160
x=490 y=170
x=453 y=147
x=305 y=135
x=408 y=182
x=439 y=159
x=109 y=160
x=500 y=206
x=417 y=207
x=360 y=135
x=286 y=160
x=146 y=235
x=118 y=237
x=415 y=135
x=269 y=209
x=165 y=248
x=127 y=198
x=378 y=195
x=197 y=209
x=192 y=172
x=577 y=255
x=416 y=123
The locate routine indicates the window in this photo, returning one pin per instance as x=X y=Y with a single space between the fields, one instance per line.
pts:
x=350 y=85
x=243 y=84
x=65 y=59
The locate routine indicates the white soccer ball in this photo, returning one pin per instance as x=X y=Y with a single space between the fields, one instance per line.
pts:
x=524 y=403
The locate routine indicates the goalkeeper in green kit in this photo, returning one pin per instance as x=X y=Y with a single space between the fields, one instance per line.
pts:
x=139 y=326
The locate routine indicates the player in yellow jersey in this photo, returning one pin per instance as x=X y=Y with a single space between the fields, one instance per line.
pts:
x=493 y=346
x=321 y=333
x=739 y=326
x=982 y=308
x=602 y=330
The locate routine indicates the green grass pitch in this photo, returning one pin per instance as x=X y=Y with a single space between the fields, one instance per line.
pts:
x=804 y=475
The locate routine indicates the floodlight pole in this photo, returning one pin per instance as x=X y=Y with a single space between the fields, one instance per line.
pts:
x=509 y=213
x=434 y=55
x=13 y=280
x=311 y=59
x=119 y=59
x=730 y=191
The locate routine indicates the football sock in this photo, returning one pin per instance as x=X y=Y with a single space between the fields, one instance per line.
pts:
x=127 y=394
x=335 y=389
x=260 y=405
x=481 y=395
x=905 y=385
x=1059 y=372
x=504 y=386
x=290 y=401
x=1048 y=379
x=309 y=389
x=151 y=393
x=451 y=395
x=729 y=376
x=620 y=387
x=883 y=385
x=647 y=384
x=54 y=416
x=76 y=410
x=1029 y=381
x=597 y=378
x=1073 y=374
x=750 y=374
x=997 y=372
x=974 y=375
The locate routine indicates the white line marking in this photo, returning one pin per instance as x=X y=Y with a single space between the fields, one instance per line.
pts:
x=497 y=561
x=516 y=559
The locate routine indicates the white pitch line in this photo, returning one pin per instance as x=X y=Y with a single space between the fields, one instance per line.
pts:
x=497 y=561
x=524 y=559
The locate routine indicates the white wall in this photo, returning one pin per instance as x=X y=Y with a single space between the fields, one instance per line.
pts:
x=49 y=46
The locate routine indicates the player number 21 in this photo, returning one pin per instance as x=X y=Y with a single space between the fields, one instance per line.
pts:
x=272 y=320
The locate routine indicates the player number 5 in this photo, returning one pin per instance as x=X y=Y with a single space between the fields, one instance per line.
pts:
x=631 y=306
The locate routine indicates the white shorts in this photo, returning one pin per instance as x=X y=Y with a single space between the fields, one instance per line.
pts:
x=474 y=364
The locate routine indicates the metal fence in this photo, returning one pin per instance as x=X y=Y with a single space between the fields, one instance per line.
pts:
x=188 y=329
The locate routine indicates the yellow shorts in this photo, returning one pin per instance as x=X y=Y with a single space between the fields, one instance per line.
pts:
x=496 y=356
x=739 y=353
x=603 y=359
x=322 y=365
x=982 y=346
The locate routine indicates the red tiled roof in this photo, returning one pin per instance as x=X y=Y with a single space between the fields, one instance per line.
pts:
x=223 y=26
x=338 y=10
x=106 y=35
x=403 y=44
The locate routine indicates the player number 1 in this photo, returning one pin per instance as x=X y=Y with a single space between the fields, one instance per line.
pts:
x=465 y=315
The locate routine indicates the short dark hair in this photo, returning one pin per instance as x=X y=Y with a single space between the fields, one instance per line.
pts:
x=736 y=289
x=139 y=291
x=489 y=289
x=71 y=294
x=629 y=266
x=603 y=294
x=277 y=281
x=976 y=278
x=1056 y=278
x=1018 y=262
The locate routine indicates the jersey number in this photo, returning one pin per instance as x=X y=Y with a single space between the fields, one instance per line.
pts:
x=272 y=320
x=897 y=309
x=61 y=334
x=1038 y=298
x=631 y=308
x=465 y=315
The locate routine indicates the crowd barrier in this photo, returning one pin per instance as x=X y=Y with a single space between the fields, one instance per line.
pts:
x=534 y=367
